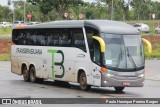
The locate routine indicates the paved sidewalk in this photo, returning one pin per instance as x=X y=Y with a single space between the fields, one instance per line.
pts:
x=152 y=69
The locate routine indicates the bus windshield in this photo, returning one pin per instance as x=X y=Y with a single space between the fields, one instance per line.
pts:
x=123 y=52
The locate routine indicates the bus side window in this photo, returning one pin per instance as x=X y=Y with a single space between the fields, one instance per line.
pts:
x=50 y=39
x=22 y=37
x=90 y=33
x=41 y=37
x=15 y=36
x=53 y=39
x=96 y=52
x=29 y=38
x=79 y=39
x=65 y=38
x=34 y=36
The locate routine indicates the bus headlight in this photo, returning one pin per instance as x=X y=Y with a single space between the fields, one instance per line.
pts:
x=109 y=75
x=141 y=75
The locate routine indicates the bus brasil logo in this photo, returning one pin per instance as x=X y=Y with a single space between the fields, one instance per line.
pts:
x=57 y=63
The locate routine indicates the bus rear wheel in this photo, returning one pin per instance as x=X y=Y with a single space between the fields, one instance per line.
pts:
x=26 y=75
x=33 y=74
x=83 y=82
x=119 y=89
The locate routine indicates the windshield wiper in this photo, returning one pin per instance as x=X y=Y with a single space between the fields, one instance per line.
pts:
x=131 y=59
x=119 y=58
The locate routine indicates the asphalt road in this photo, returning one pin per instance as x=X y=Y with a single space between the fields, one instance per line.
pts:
x=13 y=86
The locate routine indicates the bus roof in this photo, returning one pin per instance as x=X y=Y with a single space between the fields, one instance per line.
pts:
x=106 y=26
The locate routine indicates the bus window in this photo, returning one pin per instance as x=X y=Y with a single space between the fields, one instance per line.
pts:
x=65 y=38
x=91 y=32
x=21 y=37
x=96 y=54
x=15 y=37
x=42 y=38
x=53 y=39
x=29 y=39
x=34 y=36
x=79 y=39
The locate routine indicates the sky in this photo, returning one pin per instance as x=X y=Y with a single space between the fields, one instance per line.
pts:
x=4 y=2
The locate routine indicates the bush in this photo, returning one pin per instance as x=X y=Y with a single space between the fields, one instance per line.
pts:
x=155 y=52
x=153 y=55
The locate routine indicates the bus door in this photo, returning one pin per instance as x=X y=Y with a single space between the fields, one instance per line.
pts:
x=95 y=56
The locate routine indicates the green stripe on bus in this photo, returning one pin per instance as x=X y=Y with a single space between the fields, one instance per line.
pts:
x=52 y=51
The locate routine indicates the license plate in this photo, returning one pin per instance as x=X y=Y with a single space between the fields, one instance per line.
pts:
x=126 y=83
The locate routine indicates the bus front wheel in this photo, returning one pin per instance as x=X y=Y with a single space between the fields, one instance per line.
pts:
x=83 y=82
x=119 y=89
x=25 y=74
x=33 y=74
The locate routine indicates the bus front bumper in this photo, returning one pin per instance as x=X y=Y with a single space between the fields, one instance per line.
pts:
x=116 y=81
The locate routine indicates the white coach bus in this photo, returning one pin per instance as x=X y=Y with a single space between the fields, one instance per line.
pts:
x=90 y=52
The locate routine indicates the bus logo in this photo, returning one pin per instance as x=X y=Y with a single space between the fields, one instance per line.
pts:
x=57 y=63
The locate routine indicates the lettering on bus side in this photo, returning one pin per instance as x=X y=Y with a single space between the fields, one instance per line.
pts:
x=57 y=63
x=29 y=51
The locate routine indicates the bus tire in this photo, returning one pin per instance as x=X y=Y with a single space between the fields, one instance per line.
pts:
x=119 y=89
x=33 y=74
x=83 y=82
x=26 y=75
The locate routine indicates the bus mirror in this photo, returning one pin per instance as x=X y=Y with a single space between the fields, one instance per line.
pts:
x=101 y=42
x=149 y=46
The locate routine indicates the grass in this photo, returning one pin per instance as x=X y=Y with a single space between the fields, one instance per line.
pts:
x=4 y=31
x=5 y=57
x=155 y=52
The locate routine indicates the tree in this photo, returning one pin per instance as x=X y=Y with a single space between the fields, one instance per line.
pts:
x=141 y=8
x=5 y=13
x=61 y=6
x=125 y=6
x=109 y=5
x=33 y=2
x=117 y=8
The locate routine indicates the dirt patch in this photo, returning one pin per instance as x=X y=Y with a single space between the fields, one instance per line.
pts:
x=154 y=40
x=5 y=46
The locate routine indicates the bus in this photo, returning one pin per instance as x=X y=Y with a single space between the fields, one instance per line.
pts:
x=99 y=53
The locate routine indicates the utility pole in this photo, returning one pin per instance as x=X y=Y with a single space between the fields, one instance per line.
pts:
x=13 y=11
x=24 y=10
x=112 y=11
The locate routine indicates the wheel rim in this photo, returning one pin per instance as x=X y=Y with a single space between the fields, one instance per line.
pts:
x=83 y=81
